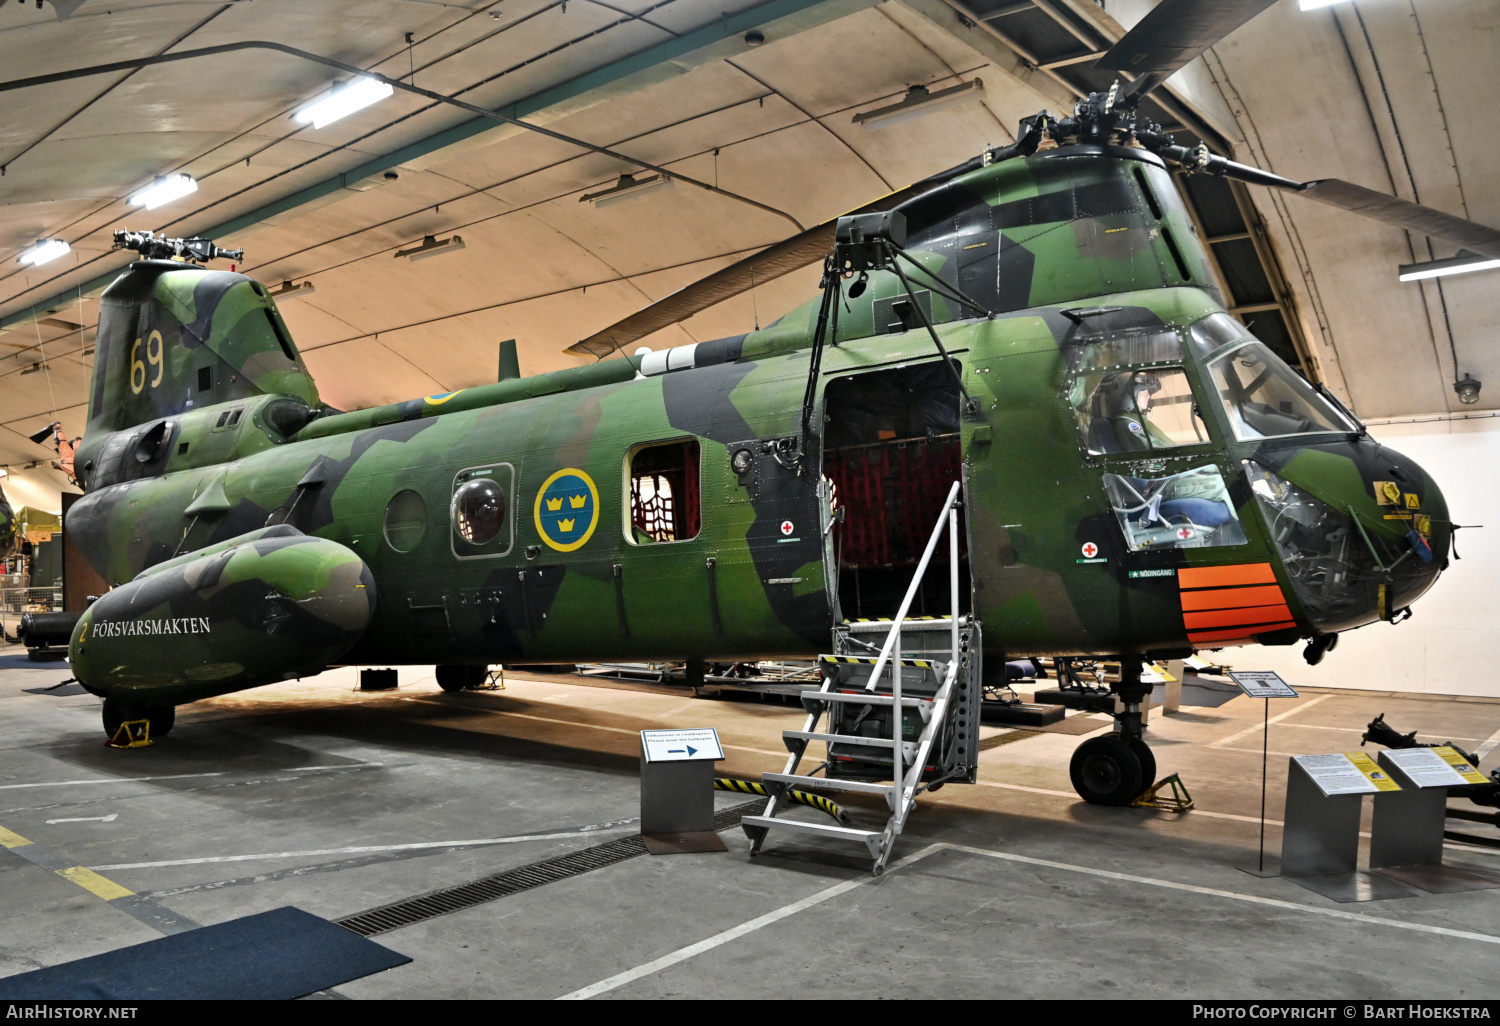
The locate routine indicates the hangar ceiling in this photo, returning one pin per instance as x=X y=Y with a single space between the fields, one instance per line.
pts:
x=1372 y=91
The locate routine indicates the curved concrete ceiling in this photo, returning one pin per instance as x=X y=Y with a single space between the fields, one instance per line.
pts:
x=1375 y=92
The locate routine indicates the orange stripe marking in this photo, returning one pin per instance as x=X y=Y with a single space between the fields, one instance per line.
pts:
x=1236 y=617
x=1225 y=576
x=1229 y=598
x=1240 y=633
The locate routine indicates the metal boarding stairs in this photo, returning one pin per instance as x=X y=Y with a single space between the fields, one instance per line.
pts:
x=871 y=747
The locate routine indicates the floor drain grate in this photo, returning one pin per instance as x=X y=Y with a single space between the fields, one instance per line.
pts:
x=513 y=881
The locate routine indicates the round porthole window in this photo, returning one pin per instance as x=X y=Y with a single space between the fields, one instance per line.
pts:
x=405 y=520
x=478 y=511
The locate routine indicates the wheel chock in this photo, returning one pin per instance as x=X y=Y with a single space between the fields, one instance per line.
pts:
x=131 y=734
x=1178 y=801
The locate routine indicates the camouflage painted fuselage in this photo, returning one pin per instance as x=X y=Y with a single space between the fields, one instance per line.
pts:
x=569 y=577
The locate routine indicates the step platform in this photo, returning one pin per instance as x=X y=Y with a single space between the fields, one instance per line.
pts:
x=1021 y=714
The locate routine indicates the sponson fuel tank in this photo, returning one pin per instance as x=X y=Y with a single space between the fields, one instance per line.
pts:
x=262 y=607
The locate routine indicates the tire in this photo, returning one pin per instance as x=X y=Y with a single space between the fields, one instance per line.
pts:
x=1106 y=771
x=1148 y=762
x=114 y=715
x=162 y=718
x=461 y=677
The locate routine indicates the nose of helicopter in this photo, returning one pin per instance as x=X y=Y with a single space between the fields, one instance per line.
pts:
x=1362 y=531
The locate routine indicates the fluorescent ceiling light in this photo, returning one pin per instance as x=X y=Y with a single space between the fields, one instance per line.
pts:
x=1461 y=264
x=918 y=102
x=627 y=187
x=1312 y=5
x=43 y=251
x=431 y=246
x=343 y=101
x=165 y=189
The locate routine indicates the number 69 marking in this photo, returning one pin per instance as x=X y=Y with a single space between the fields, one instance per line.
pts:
x=154 y=354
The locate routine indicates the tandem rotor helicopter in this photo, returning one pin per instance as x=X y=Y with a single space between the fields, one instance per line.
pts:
x=1139 y=476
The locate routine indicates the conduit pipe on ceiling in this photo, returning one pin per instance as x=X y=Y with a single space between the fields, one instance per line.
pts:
x=261 y=44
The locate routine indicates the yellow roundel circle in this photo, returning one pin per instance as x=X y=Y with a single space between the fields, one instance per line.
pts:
x=567 y=509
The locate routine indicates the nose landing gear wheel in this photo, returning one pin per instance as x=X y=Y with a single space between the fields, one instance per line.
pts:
x=1148 y=762
x=1107 y=771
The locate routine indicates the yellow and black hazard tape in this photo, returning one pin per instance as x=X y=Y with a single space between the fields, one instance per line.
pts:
x=922 y=664
x=815 y=801
x=887 y=619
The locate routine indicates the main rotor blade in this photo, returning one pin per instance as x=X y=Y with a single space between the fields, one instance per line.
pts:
x=784 y=257
x=1411 y=216
x=1174 y=33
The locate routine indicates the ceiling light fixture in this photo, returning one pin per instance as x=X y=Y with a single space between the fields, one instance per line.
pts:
x=43 y=251
x=343 y=101
x=164 y=189
x=628 y=187
x=919 y=102
x=1461 y=264
x=32 y=369
x=290 y=291
x=1467 y=388
x=431 y=246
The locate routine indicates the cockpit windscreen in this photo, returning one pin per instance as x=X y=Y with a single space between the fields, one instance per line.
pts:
x=1264 y=398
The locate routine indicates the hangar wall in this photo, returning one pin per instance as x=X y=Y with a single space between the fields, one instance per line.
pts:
x=1445 y=648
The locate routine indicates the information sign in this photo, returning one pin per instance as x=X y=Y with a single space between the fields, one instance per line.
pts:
x=1426 y=767
x=1346 y=773
x=1262 y=684
x=1461 y=765
x=695 y=744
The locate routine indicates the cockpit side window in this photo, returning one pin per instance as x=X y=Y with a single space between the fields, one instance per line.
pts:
x=1264 y=398
x=1121 y=406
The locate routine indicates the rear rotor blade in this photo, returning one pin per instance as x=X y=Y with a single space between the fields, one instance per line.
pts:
x=1174 y=33
x=1411 y=216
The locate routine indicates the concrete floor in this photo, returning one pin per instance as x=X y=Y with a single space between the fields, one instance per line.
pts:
x=317 y=795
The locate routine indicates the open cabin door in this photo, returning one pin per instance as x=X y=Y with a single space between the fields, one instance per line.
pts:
x=891 y=451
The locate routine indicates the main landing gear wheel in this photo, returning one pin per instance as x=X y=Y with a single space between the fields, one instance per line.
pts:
x=1107 y=771
x=162 y=718
x=461 y=677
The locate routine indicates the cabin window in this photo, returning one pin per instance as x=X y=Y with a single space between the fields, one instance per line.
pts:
x=405 y=520
x=480 y=511
x=1265 y=398
x=665 y=503
x=1190 y=510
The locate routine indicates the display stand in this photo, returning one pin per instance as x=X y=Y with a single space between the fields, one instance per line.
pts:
x=1320 y=838
x=1266 y=685
x=1406 y=832
x=677 y=790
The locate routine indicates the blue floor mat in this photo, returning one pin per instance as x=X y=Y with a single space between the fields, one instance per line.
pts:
x=277 y=955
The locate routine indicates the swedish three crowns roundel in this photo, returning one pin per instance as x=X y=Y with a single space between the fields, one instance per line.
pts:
x=567 y=509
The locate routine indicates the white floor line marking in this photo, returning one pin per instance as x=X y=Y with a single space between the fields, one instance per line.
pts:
x=595 y=726
x=367 y=848
x=87 y=819
x=111 y=780
x=1274 y=719
x=1490 y=744
x=1254 y=899
x=734 y=933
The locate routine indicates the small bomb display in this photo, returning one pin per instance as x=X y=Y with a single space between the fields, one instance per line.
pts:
x=266 y=606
